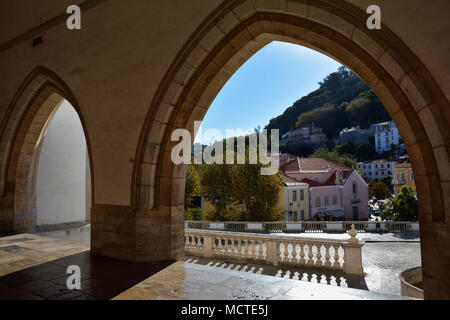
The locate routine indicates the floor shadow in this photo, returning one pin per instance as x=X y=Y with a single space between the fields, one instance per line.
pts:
x=407 y=235
x=101 y=278
x=314 y=275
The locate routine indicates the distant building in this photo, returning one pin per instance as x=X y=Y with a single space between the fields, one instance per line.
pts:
x=355 y=135
x=378 y=169
x=403 y=176
x=310 y=135
x=386 y=134
x=294 y=199
x=336 y=192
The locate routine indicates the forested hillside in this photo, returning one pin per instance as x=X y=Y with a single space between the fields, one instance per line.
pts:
x=343 y=100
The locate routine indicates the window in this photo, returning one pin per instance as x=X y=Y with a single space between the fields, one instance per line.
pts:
x=302 y=195
x=403 y=177
x=354 y=188
x=389 y=165
x=327 y=201
x=294 y=195
x=302 y=215
x=295 y=216
x=317 y=201
x=334 y=199
x=412 y=176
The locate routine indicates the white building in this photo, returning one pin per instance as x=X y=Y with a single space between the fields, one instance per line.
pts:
x=378 y=169
x=386 y=134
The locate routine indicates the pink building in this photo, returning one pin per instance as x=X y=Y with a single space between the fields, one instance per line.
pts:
x=336 y=192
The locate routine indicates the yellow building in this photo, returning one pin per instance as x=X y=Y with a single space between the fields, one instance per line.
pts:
x=403 y=176
x=294 y=199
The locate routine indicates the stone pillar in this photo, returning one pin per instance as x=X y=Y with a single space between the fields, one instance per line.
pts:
x=353 y=257
x=435 y=255
x=272 y=253
x=208 y=244
x=125 y=233
x=6 y=213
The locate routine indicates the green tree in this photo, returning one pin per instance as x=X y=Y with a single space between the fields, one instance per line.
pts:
x=379 y=190
x=259 y=194
x=387 y=181
x=364 y=151
x=192 y=186
x=334 y=156
x=403 y=207
x=216 y=181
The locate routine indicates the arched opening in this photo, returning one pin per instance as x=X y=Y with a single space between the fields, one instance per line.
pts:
x=46 y=166
x=237 y=30
x=62 y=176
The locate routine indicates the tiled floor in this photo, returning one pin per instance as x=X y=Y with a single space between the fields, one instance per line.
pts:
x=34 y=267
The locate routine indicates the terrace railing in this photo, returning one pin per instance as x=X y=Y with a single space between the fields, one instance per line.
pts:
x=302 y=226
x=344 y=255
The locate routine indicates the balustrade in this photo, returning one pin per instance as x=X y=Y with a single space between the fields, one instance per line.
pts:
x=303 y=226
x=276 y=249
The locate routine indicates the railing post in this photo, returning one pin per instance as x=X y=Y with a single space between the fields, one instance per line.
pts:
x=353 y=258
x=208 y=246
x=352 y=254
x=272 y=253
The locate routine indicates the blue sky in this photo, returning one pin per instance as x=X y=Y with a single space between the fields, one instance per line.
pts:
x=268 y=83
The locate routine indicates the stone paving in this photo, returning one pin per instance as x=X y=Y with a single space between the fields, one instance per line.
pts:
x=183 y=280
x=34 y=268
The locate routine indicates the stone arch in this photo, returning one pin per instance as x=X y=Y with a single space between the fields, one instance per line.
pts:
x=235 y=31
x=23 y=128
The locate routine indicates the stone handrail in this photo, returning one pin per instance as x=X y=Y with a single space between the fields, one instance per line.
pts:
x=342 y=255
x=304 y=226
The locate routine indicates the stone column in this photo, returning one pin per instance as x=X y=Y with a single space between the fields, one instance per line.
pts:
x=353 y=257
x=272 y=253
x=208 y=243
x=125 y=233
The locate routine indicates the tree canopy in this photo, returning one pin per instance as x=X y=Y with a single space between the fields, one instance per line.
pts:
x=403 y=207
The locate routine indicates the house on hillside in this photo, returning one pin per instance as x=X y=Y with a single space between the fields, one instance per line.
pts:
x=311 y=135
x=378 y=169
x=336 y=192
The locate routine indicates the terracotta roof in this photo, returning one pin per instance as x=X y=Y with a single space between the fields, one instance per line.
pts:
x=290 y=181
x=332 y=179
x=290 y=166
x=316 y=165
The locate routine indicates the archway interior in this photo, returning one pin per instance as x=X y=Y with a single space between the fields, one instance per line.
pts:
x=62 y=173
x=227 y=115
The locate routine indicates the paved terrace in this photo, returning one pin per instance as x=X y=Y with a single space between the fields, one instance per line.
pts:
x=34 y=267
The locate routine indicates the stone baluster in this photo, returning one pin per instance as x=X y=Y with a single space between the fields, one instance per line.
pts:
x=219 y=246
x=327 y=256
x=336 y=263
x=286 y=252
x=260 y=249
x=225 y=245
x=310 y=255
x=253 y=254
x=302 y=254
x=246 y=248
x=319 y=255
